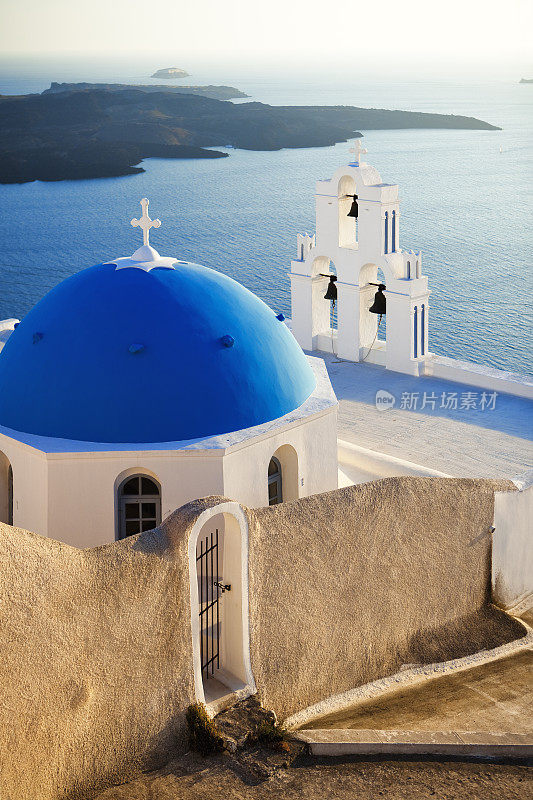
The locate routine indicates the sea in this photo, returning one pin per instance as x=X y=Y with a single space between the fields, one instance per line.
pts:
x=466 y=202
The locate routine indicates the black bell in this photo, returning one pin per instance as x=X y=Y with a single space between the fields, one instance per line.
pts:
x=331 y=291
x=379 y=306
x=354 y=211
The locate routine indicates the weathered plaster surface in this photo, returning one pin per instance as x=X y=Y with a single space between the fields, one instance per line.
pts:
x=421 y=677
x=345 y=587
x=95 y=672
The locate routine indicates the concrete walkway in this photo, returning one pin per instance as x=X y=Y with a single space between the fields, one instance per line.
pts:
x=494 y=697
x=483 y=712
x=483 y=437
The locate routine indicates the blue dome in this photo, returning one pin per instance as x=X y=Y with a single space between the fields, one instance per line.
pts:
x=125 y=355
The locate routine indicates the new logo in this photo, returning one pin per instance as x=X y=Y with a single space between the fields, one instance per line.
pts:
x=384 y=400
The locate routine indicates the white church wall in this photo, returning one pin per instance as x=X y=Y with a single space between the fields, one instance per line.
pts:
x=30 y=496
x=315 y=443
x=5 y=499
x=512 y=553
x=327 y=234
x=310 y=313
x=6 y=494
x=82 y=489
x=349 y=301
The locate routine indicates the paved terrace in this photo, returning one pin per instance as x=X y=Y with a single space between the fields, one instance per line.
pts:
x=484 y=436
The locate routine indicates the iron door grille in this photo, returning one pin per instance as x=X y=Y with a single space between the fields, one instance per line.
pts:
x=208 y=600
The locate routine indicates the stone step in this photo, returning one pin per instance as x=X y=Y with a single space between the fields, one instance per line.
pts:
x=342 y=742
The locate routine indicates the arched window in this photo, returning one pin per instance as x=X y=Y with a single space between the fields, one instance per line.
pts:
x=6 y=490
x=139 y=505
x=393 y=243
x=408 y=270
x=423 y=330
x=275 y=493
x=386 y=243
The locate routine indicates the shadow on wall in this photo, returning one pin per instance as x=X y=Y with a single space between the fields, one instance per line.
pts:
x=97 y=645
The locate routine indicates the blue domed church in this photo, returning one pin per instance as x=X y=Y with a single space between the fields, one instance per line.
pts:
x=145 y=382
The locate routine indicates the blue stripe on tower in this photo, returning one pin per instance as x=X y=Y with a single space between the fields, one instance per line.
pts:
x=415 y=333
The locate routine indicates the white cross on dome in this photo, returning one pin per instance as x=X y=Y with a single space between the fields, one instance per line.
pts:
x=145 y=223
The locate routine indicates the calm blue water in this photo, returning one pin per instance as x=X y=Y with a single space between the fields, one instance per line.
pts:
x=464 y=204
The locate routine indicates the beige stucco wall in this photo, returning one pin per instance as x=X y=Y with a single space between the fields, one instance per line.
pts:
x=346 y=587
x=96 y=652
x=97 y=658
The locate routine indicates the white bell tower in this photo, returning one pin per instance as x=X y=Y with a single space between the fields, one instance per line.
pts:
x=353 y=250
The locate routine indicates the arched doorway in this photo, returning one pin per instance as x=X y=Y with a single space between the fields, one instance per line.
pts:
x=138 y=504
x=218 y=565
x=6 y=490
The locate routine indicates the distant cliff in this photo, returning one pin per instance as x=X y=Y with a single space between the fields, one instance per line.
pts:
x=102 y=132
x=526 y=80
x=215 y=92
x=170 y=72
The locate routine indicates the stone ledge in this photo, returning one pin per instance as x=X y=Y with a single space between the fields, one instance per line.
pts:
x=341 y=742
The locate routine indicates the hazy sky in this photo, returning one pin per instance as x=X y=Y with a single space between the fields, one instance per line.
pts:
x=496 y=33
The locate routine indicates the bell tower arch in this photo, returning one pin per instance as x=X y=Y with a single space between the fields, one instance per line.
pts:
x=357 y=234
